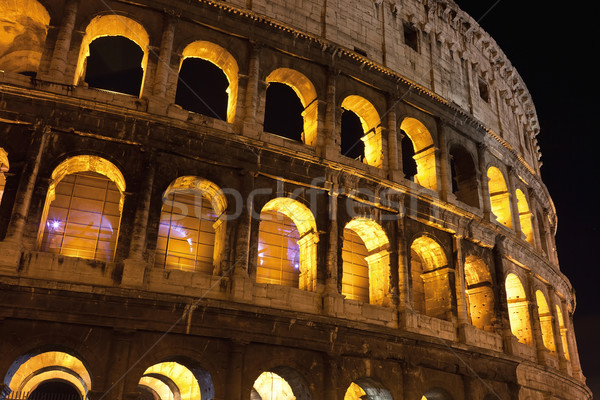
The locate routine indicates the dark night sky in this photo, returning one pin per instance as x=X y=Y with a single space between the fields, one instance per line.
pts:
x=553 y=49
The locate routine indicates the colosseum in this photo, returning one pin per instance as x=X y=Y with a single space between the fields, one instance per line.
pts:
x=270 y=199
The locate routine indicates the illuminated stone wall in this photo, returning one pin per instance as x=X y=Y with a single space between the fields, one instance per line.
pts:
x=455 y=292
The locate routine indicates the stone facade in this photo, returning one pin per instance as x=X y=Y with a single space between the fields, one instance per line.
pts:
x=465 y=298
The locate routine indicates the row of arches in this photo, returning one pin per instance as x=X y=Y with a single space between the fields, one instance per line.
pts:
x=62 y=374
x=208 y=81
x=82 y=217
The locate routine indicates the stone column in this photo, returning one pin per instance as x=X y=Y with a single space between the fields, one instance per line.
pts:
x=330 y=368
x=135 y=265
x=575 y=364
x=512 y=196
x=331 y=146
x=235 y=370
x=534 y=317
x=62 y=45
x=404 y=297
x=119 y=364
x=164 y=59
x=558 y=344
x=392 y=128
x=485 y=192
x=250 y=125
x=12 y=245
x=445 y=187
x=461 y=301
x=333 y=301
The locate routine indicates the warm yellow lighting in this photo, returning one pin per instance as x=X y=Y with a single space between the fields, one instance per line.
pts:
x=354 y=392
x=224 y=60
x=431 y=291
x=270 y=386
x=371 y=124
x=3 y=170
x=162 y=390
x=545 y=321
x=51 y=365
x=499 y=197
x=424 y=152
x=355 y=278
x=525 y=216
x=23 y=28
x=563 y=332
x=306 y=227
x=307 y=94
x=186 y=384
x=480 y=295
x=518 y=309
x=111 y=25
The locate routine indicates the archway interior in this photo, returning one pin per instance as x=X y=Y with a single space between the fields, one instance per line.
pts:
x=57 y=389
x=409 y=165
x=371 y=130
x=352 y=132
x=202 y=88
x=524 y=216
x=172 y=380
x=518 y=309
x=114 y=64
x=480 y=293
x=464 y=176
x=367 y=389
x=545 y=321
x=499 y=197
x=283 y=112
x=355 y=278
x=563 y=332
x=424 y=153
x=270 y=386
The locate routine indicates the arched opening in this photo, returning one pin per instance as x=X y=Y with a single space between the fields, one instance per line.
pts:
x=366 y=262
x=208 y=81
x=525 y=216
x=176 y=380
x=436 y=394
x=367 y=389
x=480 y=293
x=114 y=64
x=291 y=106
x=430 y=281
x=280 y=383
x=563 y=332
x=56 y=373
x=424 y=153
x=371 y=131
x=518 y=309
x=82 y=213
x=499 y=197
x=409 y=165
x=23 y=28
x=464 y=176
x=545 y=321
x=3 y=170
x=121 y=73
x=352 y=133
x=287 y=241
x=192 y=226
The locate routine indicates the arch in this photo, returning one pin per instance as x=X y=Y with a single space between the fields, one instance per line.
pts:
x=480 y=293
x=24 y=25
x=306 y=92
x=424 y=148
x=366 y=266
x=524 y=216
x=280 y=383
x=431 y=289
x=499 y=197
x=287 y=241
x=464 y=176
x=31 y=370
x=82 y=212
x=367 y=388
x=4 y=167
x=518 y=309
x=436 y=394
x=371 y=124
x=192 y=226
x=545 y=321
x=563 y=332
x=178 y=379
x=112 y=25
x=225 y=61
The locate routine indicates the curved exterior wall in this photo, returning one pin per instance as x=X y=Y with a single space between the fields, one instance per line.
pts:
x=444 y=317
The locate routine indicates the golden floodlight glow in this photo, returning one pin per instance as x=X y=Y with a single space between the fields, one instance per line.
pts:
x=186 y=384
x=112 y=25
x=525 y=216
x=3 y=170
x=563 y=332
x=51 y=365
x=371 y=124
x=306 y=225
x=157 y=387
x=354 y=392
x=270 y=386
x=499 y=197
x=224 y=60
x=23 y=28
x=424 y=152
x=518 y=309
x=545 y=321
x=307 y=94
x=480 y=295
